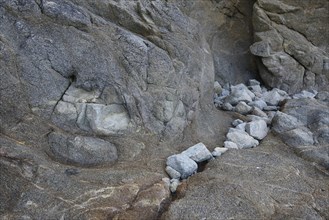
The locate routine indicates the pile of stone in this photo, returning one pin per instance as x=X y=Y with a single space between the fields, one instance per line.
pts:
x=259 y=108
x=181 y=166
x=257 y=104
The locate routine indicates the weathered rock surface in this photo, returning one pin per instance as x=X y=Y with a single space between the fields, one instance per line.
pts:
x=257 y=129
x=198 y=153
x=122 y=85
x=83 y=151
x=182 y=164
x=291 y=41
x=255 y=184
x=241 y=138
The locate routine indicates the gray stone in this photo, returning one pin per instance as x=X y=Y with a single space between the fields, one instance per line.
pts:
x=174 y=183
x=218 y=151
x=103 y=119
x=274 y=97
x=271 y=108
x=65 y=114
x=256 y=89
x=239 y=93
x=304 y=94
x=174 y=174
x=182 y=164
x=227 y=106
x=217 y=88
x=230 y=145
x=242 y=108
x=270 y=115
x=257 y=118
x=256 y=111
x=83 y=151
x=253 y=82
x=241 y=126
x=236 y=122
x=257 y=129
x=241 y=138
x=198 y=153
x=225 y=92
x=283 y=122
x=298 y=137
x=258 y=103
x=76 y=95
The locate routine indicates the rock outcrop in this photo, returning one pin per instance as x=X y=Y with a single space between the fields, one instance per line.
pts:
x=96 y=95
x=291 y=41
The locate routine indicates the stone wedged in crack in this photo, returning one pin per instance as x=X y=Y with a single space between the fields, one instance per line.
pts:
x=82 y=151
x=241 y=138
x=182 y=164
x=198 y=153
x=257 y=129
x=174 y=174
x=218 y=151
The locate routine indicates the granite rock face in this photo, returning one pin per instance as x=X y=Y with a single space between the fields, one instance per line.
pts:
x=272 y=183
x=95 y=95
x=291 y=41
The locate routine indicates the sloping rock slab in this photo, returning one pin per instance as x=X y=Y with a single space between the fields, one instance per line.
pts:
x=268 y=182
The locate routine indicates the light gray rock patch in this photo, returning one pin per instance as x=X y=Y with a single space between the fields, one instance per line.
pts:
x=236 y=122
x=182 y=164
x=257 y=129
x=275 y=96
x=174 y=174
x=258 y=103
x=198 y=153
x=218 y=151
x=230 y=145
x=80 y=150
x=241 y=138
x=242 y=108
x=103 y=119
x=241 y=126
x=304 y=94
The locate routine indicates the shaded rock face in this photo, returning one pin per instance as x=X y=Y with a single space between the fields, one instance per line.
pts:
x=227 y=26
x=291 y=41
